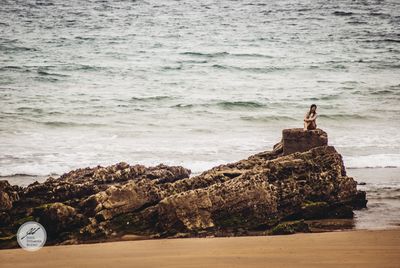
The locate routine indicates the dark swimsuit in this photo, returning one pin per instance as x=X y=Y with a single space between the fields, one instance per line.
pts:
x=311 y=125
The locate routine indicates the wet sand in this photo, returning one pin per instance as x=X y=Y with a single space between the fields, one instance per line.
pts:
x=363 y=248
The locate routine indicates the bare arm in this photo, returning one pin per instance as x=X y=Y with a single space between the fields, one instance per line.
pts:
x=313 y=118
x=305 y=118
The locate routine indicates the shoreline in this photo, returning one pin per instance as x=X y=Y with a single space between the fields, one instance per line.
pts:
x=299 y=187
x=356 y=248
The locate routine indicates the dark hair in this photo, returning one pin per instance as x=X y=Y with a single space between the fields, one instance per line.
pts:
x=312 y=105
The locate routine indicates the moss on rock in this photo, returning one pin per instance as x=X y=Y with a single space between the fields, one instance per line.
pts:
x=290 y=228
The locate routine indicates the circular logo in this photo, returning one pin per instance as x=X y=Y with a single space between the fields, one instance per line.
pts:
x=31 y=236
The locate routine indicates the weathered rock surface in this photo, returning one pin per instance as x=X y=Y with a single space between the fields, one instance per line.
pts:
x=298 y=140
x=272 y=192
x=8 y=195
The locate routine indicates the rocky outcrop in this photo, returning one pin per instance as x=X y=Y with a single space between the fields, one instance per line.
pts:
x=298 y=140
x=8 y=195
x=272 y=192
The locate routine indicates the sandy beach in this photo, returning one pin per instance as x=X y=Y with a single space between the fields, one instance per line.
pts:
x=362 y=248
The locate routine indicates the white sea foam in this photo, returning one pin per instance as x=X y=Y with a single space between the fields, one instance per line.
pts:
x=372 y=161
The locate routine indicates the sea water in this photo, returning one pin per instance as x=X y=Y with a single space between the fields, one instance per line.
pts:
x=193 y=83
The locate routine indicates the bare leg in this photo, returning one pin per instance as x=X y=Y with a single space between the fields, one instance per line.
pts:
x=305 y=125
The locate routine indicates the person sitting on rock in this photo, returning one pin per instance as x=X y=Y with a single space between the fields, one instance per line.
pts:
x=310 y=117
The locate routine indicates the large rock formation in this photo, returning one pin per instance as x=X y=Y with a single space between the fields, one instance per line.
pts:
x=273 y=192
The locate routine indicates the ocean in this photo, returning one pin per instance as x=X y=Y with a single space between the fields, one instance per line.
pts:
x=193 y=83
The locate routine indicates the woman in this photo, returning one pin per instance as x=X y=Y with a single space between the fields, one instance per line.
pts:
x=310 y=117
